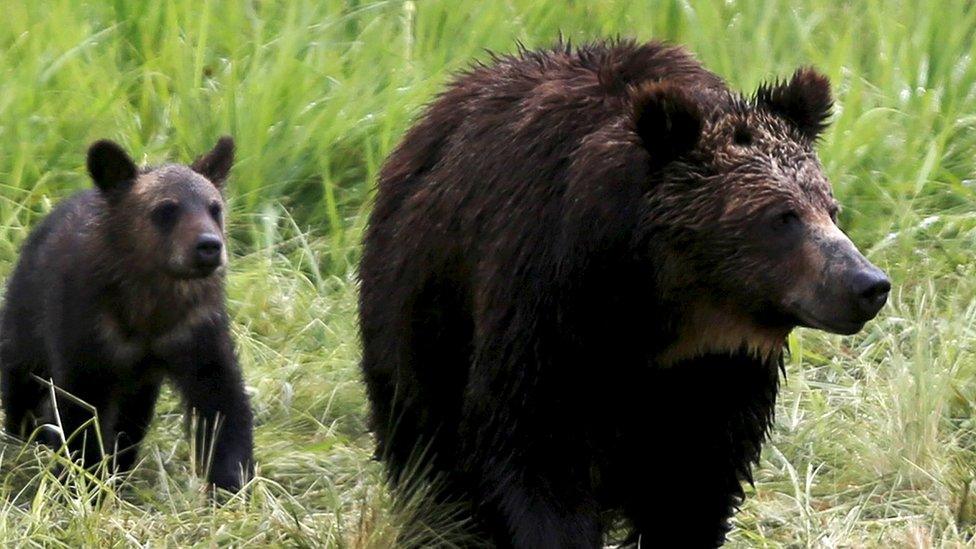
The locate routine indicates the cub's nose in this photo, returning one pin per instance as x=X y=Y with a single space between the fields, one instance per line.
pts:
x=871 y=287
x=208 y=250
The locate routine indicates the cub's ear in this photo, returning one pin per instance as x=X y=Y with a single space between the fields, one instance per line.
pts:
x=667 y=119
x=215 y=165
x=110 y=167
x=805 y=101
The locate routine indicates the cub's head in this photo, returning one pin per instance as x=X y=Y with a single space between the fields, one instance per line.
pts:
x=167 y=219
x=742 y=201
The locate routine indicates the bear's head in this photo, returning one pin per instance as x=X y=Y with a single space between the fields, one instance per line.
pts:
x=746 y=216
x=165 y=220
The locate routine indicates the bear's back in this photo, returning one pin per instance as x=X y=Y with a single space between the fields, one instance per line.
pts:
x=497 y=151
x=505 y=134
x=65 y=228
x=547 y=98
x=54 y=250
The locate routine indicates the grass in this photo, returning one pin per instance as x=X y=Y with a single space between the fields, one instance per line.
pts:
x=875 y=443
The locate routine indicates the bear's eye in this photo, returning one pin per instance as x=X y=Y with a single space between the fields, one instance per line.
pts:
x=215 y=211
x=165 y=214
x=742 y=136
x=787 y=218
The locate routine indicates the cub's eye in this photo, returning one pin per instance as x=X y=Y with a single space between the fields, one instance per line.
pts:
x=165 y=214
x=215 y=211
x=742 y=136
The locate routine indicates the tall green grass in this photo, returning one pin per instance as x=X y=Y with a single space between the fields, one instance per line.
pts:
x=875 y=443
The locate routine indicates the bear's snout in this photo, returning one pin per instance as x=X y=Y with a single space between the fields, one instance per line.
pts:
x=840 y=289
x=208 y=251
x=871 y=287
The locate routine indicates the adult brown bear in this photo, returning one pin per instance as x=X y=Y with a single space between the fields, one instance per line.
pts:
x=577 y=282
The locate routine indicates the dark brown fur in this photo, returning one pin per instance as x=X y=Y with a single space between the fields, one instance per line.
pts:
x=111 y=296
x=576 y=285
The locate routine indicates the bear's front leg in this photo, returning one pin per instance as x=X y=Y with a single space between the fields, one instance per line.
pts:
x=701 y=426
x=136 y=408
x=209 y=379
x=688 y=505
x=523 y=509
x=85 y=410
x=530 y=482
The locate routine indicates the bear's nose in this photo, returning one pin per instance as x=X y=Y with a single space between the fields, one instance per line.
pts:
x=871 y=287
x=208 y=250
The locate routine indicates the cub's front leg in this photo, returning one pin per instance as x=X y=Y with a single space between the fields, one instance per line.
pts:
x=207 y=375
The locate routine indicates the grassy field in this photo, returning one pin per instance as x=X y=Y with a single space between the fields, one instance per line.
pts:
x=875 y=443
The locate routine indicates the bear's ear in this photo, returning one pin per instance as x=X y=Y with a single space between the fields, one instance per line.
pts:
x=110 y=167
x=215 y=165
x=805 y=101
x=667 y=119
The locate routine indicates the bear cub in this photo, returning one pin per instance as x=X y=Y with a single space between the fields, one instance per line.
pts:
x=117 y=290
